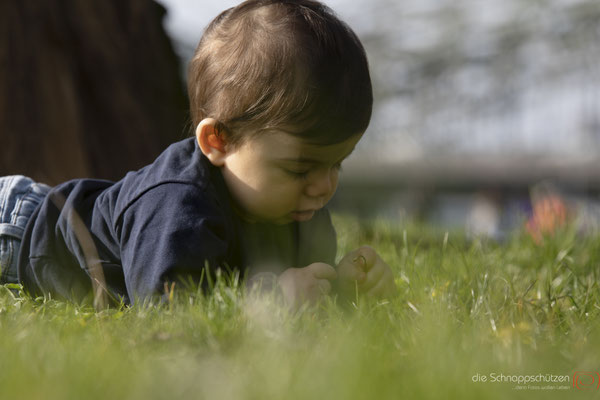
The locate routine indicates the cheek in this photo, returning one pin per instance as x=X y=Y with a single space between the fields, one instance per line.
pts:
x=335 y=178
x=333 y=182
x=270 y=191
x=283 y=191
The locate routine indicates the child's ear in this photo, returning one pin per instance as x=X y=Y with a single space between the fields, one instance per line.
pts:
x=211 y=141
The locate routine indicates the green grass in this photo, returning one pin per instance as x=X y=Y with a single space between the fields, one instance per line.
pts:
x=465 y=307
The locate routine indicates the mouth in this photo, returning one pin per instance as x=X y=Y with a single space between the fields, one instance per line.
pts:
x=304 y=215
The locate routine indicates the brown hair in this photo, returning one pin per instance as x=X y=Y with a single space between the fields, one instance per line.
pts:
x=281 y=64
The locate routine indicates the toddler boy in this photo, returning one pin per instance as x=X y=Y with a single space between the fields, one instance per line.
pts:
x=280 y=94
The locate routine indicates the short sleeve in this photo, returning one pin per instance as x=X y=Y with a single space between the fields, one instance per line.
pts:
x=171 y=232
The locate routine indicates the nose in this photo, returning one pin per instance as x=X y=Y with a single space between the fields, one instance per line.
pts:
x=322 y=184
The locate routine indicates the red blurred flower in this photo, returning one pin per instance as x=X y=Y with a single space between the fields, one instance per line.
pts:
x=549 y=214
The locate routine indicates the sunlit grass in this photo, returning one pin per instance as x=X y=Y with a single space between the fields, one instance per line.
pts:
x=465 y=307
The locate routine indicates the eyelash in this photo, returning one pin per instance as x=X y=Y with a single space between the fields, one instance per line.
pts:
x=304 y=174
x=298 y=175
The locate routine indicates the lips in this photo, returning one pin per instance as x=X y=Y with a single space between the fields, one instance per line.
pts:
x=304 y=215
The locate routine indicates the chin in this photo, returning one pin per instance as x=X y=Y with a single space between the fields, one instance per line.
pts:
x=275 y=220
x=282 y=220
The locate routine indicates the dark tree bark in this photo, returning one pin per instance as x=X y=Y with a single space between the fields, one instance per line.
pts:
x=87 y=88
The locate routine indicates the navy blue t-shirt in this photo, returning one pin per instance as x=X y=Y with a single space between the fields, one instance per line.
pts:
x=160 y=224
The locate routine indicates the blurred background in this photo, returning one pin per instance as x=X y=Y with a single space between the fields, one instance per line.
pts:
x=486 y=115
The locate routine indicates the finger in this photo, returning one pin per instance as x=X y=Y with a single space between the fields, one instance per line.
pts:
x=324 y=286
x=358 y=274
x=350 y=271
x=323 y=271
x=379 y=289
x=347 y=260
x=360 y=262
x=385 y=288
x=367 y=256
x=373 y=277
x=317 y=290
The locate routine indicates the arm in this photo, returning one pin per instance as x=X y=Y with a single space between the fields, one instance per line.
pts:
x=306 y=285
x=317 y=245
x=170 y=232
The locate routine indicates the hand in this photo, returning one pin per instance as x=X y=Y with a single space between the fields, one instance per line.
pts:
x=364 y=270
x=308 y=284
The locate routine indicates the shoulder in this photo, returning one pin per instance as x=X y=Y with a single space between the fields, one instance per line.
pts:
x=182 y=162
x=177 y=209
x=179 y=174
x=175 y=206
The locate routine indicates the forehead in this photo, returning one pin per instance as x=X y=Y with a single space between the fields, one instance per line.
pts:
x=282 y=145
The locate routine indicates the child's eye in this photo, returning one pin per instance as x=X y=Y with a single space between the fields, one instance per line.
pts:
x=298 y=174
x=303 y=174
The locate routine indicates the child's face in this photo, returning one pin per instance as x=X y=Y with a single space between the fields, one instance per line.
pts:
x=276 y=177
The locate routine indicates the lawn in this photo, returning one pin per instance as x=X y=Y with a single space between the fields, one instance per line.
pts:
x=468 y=310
